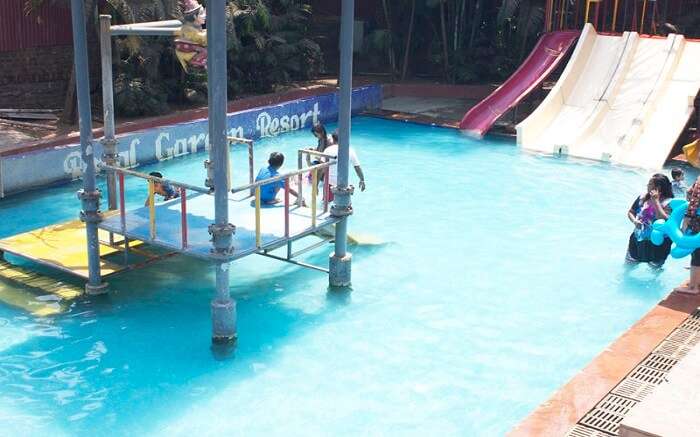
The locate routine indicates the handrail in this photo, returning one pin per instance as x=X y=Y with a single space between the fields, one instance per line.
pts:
x=282 y=176
x=251 y=160
x=313 y=152
x=239 y=140
x=156 y=179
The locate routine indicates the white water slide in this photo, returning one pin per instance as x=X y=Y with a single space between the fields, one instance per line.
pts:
x=623 y=99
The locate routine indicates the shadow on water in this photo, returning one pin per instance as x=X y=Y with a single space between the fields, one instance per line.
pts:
x=153 y=330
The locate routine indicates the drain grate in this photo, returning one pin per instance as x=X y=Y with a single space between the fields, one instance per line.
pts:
x=648 y=375
x=692 y=323
x=659 y=362
x=584 y=431
x=685 y=336
x=673 y=350
x=607 y=415
x=604 y=419
x=633 y=389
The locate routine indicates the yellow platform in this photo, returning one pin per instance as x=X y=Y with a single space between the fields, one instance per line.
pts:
x=62 y=246
x=36 y=294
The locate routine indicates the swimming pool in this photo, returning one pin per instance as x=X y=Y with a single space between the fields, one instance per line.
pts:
x=502 y=275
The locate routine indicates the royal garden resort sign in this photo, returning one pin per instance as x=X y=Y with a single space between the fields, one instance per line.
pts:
x=23 y=171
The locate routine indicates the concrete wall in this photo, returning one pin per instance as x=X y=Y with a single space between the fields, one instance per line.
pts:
x=23 y=171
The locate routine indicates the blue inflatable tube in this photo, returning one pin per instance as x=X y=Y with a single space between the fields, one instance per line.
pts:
x=683 y=244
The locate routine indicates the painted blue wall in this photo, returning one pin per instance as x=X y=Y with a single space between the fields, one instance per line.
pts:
x=44 y=167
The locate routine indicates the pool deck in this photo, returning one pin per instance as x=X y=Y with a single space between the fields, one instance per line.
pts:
x=570 y=403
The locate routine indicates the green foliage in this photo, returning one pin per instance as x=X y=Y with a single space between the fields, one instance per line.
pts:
x=267 y=44
x=484 y=40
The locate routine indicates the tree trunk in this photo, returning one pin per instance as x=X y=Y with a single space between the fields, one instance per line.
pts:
x=68 y=114
x=392 y=55
x=461 y=26
x=408 y=41
x=527 y=17
x=444 y=41
x=476 y=23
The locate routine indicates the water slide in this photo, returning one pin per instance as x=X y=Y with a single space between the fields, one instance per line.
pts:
x=624 y=99
x=544 y=58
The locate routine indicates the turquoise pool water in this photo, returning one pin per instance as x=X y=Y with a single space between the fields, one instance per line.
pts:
x=502 y=276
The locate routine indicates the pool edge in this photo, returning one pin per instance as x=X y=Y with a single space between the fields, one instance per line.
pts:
x=570 y=402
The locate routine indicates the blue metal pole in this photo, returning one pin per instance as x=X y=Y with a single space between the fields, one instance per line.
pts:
x=340 y=261
x=89 y=195
x=223 y=307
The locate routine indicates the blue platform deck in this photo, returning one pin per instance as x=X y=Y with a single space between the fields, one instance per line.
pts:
x=200 y=214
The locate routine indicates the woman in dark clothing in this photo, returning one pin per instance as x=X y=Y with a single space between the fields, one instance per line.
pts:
x=646 y=209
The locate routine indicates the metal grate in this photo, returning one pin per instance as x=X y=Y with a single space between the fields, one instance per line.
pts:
x=584 y=431
x=673 y=350
x=659 y=362
x=685 y=336
x=604 y=419
x=607 y=415
x=692 y=323
x=633 y=389
x=648 y=375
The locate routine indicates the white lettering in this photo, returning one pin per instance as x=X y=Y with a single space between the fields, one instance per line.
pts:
x=284 y=123
x=194 y=141
x=262 y=124
x=237 y=132
x=304 y=117
x=274 y=126
x=159 y=145
x=316 y=113
x=271 y=126
x=128 y=158
x=73 y=164
x=180 y=147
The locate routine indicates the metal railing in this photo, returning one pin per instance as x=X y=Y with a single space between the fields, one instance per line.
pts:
x=251 y=161
x=253 y=187
x=256 y=185
x=182 y=192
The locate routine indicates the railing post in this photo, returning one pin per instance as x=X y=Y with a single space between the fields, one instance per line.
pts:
x=326 y=188
x=286 y=208
x=286 y=218
x=300 y=165
x=257 y=217
x=314 y=195
x=251 y=167
x=183 y=216
x=152 y=209
x=122 y=203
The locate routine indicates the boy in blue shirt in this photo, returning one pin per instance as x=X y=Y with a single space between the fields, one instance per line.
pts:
x=268 y=192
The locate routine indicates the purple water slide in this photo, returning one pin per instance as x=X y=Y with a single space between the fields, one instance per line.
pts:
x=550 y=50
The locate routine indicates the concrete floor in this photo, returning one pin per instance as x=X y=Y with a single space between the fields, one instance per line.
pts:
x=434 y=107
x=10 y=137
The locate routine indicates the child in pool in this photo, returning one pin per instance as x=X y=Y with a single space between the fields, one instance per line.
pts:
x=678 y=182
x=644 y=211
x=268 y=192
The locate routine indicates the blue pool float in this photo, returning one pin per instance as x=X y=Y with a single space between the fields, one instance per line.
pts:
x=683 y=244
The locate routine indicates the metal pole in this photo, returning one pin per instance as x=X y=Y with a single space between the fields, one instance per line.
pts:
x=89 y=195
x=340 y=261
x=109 y=143
x=223 y=308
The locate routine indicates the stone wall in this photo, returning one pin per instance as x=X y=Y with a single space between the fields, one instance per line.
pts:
x=35 y=77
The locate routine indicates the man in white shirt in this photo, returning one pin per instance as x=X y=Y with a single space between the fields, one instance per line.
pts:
x=333 y=171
